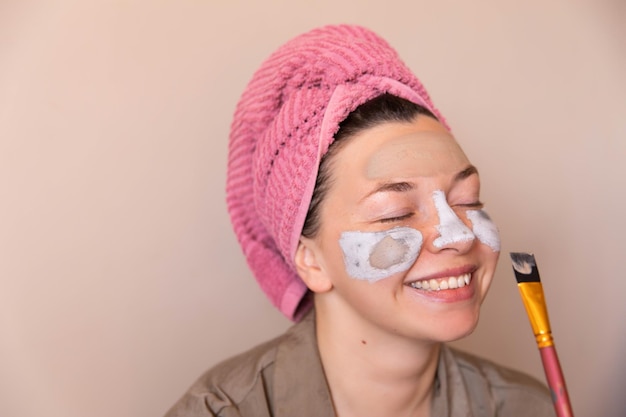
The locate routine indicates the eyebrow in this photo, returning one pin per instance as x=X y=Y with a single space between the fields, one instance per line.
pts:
x=467 y=172
x=396 y=187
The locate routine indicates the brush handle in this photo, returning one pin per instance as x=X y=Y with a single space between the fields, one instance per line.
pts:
x=556 y=382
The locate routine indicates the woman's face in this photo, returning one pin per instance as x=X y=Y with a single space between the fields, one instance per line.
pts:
x=402 y=232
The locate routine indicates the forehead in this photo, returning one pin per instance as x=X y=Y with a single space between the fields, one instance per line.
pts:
x=416 y=154
x=422 y=148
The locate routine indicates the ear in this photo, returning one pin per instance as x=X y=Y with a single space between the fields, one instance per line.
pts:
x=310 y=268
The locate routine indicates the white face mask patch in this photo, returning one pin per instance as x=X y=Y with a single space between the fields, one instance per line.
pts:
x=451 y=229
x=371 y=256
x=484 y=229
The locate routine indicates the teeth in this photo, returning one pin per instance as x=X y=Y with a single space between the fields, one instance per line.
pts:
x=443 y=283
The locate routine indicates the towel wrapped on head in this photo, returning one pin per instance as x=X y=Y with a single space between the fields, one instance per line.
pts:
x=283 y=125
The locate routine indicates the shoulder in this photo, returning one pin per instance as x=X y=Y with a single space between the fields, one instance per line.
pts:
x=229 y=383
x=245 y=383
x=513 y=392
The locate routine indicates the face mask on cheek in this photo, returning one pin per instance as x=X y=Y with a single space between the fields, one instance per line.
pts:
x=484 y=228
x=371 y=256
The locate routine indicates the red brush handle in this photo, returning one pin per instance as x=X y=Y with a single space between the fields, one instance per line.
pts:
x=556 y=382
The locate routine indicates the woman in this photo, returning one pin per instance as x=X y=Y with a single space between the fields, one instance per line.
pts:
x=360 y=217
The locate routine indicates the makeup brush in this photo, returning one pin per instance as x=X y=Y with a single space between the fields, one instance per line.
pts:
x=531 y=290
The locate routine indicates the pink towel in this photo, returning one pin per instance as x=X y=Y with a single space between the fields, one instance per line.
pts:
x=283 y=125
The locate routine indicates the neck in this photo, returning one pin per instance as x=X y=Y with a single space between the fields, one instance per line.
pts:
x=371 y=372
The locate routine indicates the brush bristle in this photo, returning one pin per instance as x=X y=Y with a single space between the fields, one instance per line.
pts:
x=525 y=267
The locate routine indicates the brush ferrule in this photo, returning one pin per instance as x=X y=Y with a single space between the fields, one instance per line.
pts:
x=534 y=302
x=544 y=340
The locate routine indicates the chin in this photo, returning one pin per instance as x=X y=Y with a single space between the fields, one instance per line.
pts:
x=452 y=330
x=460 y=335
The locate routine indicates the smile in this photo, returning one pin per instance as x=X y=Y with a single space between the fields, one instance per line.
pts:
x=443 y=283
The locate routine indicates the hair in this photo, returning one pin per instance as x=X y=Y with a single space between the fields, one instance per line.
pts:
x=382 y=109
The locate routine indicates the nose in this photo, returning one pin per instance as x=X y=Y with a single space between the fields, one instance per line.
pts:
x=450 y=233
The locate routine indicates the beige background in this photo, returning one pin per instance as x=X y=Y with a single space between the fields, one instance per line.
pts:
x=120 y=279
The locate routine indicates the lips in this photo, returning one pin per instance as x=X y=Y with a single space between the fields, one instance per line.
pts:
x=447 y=283
x=450 y=279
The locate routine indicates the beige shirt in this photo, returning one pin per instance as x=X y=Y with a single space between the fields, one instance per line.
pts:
x=284 y=378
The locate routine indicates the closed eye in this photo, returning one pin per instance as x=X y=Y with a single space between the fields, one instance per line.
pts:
x=396 y=219
x=474 y=205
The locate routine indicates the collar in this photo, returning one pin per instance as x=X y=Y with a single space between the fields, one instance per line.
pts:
x=300 y=387
x=450 y=397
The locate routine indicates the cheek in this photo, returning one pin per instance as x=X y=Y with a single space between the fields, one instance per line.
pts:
x=371 y=256
x=484 y=229
x=490 y=260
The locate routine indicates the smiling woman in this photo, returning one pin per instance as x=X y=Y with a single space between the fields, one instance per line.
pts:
x=360 y=217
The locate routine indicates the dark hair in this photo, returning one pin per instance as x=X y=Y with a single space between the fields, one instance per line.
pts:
x=382 y=109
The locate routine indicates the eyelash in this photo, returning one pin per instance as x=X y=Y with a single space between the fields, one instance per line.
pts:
x=474 y=205
x=396 y=219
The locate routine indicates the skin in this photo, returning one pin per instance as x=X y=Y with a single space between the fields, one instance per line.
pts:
x=379 y=342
